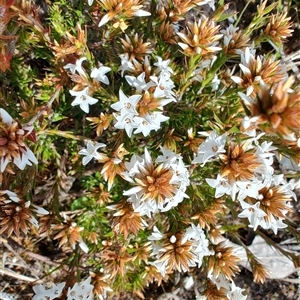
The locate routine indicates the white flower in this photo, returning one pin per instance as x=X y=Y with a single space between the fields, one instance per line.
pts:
x=156 y=117
x=139 y=82
x=99 y=74
x=253 y=213
x=220 y=281
x=161 y=266
x=125 y=122
x=163 y=67
x=91 y=152
x=149 y=122
x=168 y=157
x=197 y=243
x=273 y=224
x=157 y=187
x=41 y=293
x=249 y=189
x=76 y=67
x=163 y=89
x=83 y=99
x=126 y=64
x=26 y=155
x=211 y=147
x=90 y=2
x=126 y=105
x=235 y=293
x=18 y=152
x=221 y=185
x=81 y=290
x=144 y=126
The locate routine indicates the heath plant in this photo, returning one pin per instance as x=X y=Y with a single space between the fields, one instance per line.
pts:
x=138 y=141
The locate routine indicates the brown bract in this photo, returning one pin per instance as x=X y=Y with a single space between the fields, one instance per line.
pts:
x=125 y=220
x=101 y=123
x=261 y=69
x=70 y=46
x=155 y=183
x=152 y=275
x=278 y=111
x=168 y=33
x=99 y=283
x=273 y=201
x=193 y=142
x=279 y=28
x=120 y=10
x=175 y=10
x=135 y=47
x=175 y=254
x=148 y=103
x=68 y=233
x=116 y=260
x=239 y=163
x=207 y=217
x=12 y=141
x=224 y=261
x=114 y=165
x=200 y=38
x=234 y=40
x=14 y=216
x=213 y=293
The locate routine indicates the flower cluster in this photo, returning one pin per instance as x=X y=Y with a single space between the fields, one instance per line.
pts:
x=179 y=251
x=12 y=141
x=83 y=89
x=16 y=214
x=81 y=290
x=143 y=111
x=246 y=174
x=158 y=185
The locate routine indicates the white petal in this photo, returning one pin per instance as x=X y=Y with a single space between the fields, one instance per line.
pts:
x=142 y=13
x=86 y=160
x=104 y=20
x=85 y=107
x=5 y=116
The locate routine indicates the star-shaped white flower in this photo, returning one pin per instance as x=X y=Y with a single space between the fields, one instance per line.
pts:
x=83 y=99
x=42 y=293
x=253 y=213
x=81 y=290
x=163 y=66
x=125 y=122
x=126 y=105
x=126 y=64
x=99 y=74
x=139 y=82
x=76 y=67
x=221 y=185
x=211 y=147
x=91 y=152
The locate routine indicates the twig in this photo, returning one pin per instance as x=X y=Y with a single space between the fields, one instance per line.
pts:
x=27 y=252
x=19 y=276
x=8 y=246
